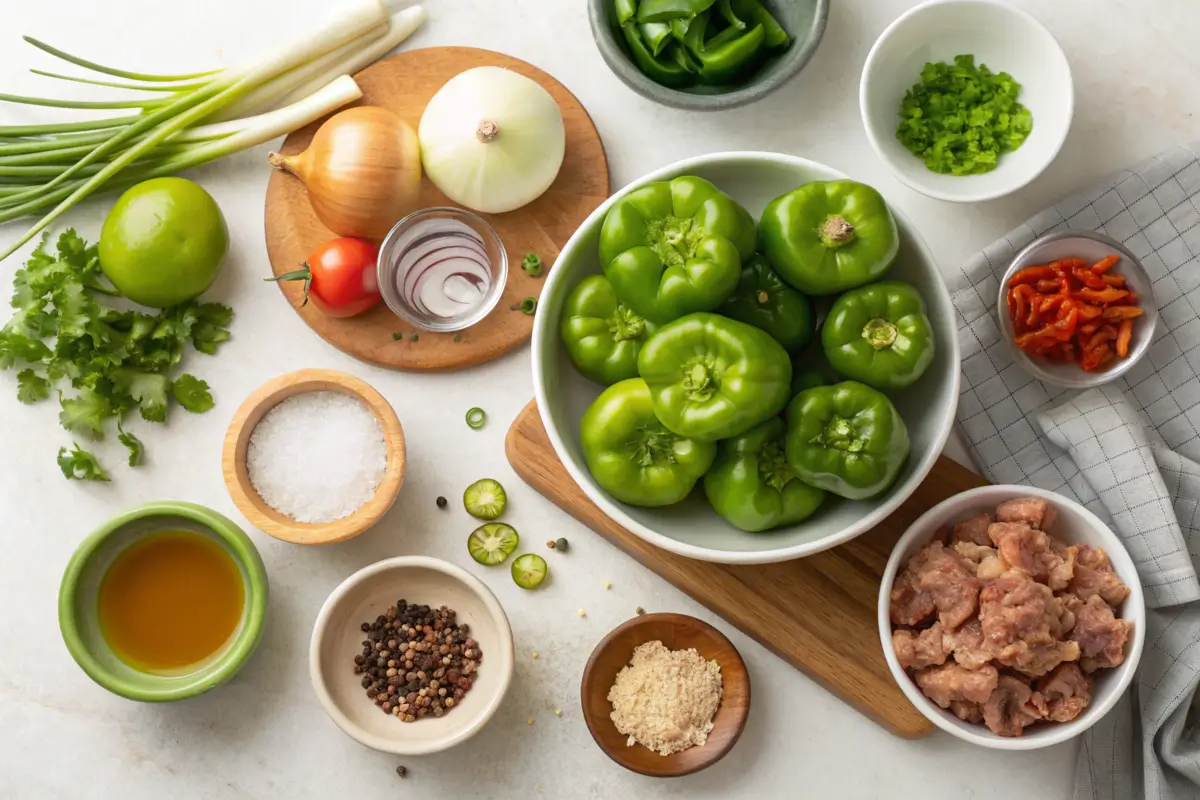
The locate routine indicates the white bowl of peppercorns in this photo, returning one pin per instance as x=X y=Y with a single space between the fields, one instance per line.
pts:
x=411 y=655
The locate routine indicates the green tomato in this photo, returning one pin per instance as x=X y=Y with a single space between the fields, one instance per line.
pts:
x=847 y=439
x=751 y=485
x=879 y=335
x=713 y=377
x=674 y=247
x=163 y=242
x=763 y=300
x=632 y=456
x=603 y=337
x=829 y=236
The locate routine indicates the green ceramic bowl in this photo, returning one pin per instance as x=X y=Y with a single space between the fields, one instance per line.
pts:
x=803 y=19
x=77 y=601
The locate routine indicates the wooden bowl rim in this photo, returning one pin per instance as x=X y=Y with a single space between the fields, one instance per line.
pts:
x=737 y=720
x=251 y=412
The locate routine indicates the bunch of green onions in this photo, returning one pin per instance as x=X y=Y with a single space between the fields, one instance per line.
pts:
x=199 y=117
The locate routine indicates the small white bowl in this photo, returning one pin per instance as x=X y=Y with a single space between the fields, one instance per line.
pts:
x=366 y=594
x=1074 y=525
x=1003 y=37
x=1091 y=247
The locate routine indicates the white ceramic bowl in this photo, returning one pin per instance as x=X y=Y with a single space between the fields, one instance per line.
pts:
x=692 y=528
x=1091 y=247
x=337 y=639
x=1074 y=525
x=1003 y=37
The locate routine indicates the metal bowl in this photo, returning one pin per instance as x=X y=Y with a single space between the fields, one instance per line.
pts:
x=1091 y=247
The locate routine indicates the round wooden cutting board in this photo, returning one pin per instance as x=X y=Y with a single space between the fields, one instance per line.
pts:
x=405 y=83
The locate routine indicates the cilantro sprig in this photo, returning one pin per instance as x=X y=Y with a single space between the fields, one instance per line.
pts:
x=961 y=117
x=111 y=361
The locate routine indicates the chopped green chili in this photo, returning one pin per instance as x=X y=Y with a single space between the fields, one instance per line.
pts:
x=532 y=264
x=476 y=417
x=458 y=337
x=412 y=337
x=397 y=337
x=528 y=306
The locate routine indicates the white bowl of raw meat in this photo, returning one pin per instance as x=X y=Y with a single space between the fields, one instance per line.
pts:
x=1011 y=617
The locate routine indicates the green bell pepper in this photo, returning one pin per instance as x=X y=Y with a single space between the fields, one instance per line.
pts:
x=665 y=71
x=751 y=485
x=632 y=456
x=674 y=247
x=712 y=377
x=829 y=236
x=756 y=12
x=603 y=337
x=763 y=300
x=655 y=35
x=879 y=335
x=728 y=57
x=667 y=10
x=847 y=439
x=626 y=11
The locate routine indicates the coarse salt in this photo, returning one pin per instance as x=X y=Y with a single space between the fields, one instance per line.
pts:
x=317 y=457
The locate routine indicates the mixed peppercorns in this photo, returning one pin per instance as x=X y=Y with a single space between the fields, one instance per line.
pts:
x=417 y=661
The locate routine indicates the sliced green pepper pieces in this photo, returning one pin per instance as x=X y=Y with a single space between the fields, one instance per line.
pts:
x=763 y=300
x=879 y=335
x=655 y=35
x=727 y=13
x=602 y=336
x=751 y=485
x=725 y=63
x=674 y=247
x=626 y=11
x=667 y=10
x=661 y=71
x=753 y=10
x=847 y=439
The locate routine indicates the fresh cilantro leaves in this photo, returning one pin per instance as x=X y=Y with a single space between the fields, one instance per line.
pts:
x=80 y=465
x=961 y=117
x=113 y=360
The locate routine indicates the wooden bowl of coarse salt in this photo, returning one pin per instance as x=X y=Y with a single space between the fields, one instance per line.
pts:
x=314 y=457
x=665 y=695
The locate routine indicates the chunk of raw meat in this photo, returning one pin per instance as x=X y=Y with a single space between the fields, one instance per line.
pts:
x=917 y=650
x=966 y=710
x=974 y=529
x=910 y=604
x=951 y=584
x=1037 y=659
x=949 y=682
x=968 y=646
x=1012 y=707
x=1014 y=607
x=975 y=554
x=1033 y=511
x=991 y=568
x=1100 y=635
x=1029 y=550
x=1067 y=690
x=1094 y=576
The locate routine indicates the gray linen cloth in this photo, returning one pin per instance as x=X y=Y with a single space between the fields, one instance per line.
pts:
x=1129 y=451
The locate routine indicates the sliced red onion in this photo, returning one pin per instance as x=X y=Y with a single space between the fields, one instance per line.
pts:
x=444 y=269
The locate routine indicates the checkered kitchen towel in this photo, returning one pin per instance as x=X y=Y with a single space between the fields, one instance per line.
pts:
x=1129 y=451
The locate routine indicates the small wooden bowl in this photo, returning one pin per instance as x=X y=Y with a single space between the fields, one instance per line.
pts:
x=677 y=632
x=269 y=395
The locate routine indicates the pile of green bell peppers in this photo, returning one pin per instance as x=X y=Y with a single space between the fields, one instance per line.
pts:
x=679 y=43
x=702 y=328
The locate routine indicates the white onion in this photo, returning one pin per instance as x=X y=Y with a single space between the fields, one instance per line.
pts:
x=492 y=140
x=444 y=269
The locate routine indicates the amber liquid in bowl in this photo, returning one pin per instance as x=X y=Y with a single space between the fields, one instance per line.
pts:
x=170 y=601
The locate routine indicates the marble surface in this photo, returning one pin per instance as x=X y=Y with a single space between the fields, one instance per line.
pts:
x=264 y=734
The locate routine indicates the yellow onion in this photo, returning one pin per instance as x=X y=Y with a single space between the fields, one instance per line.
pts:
x=362 y=171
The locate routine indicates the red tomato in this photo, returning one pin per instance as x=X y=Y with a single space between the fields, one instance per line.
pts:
x=339 y=277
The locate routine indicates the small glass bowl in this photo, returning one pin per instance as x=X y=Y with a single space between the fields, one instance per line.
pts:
x=1091 y=247
x=389 y=265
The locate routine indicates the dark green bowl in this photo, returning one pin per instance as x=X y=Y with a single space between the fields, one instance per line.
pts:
x=77 y=601
x=803 y=19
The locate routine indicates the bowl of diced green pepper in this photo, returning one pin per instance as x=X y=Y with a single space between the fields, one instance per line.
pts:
x=707 y=54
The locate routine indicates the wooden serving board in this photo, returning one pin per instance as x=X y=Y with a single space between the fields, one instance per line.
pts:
x=816 y=613
x=405 y=83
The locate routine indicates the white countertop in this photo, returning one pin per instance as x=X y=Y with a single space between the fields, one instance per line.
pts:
x=264 y=734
